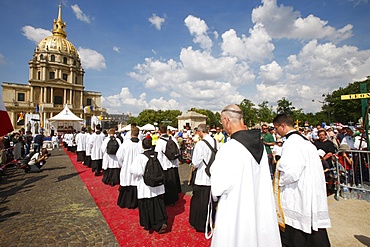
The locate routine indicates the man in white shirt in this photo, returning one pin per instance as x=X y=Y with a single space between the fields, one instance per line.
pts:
x=303 y=190
x=202 y=184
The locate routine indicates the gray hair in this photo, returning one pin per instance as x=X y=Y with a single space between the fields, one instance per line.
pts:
x=203 y=128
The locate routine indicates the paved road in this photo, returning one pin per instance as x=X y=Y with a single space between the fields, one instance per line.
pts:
x=51 y=208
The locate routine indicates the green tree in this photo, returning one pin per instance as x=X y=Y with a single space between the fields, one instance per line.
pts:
x=168 y=117
x=249 y=112
x=265 y=112
x=285 y=106
x=345 y=111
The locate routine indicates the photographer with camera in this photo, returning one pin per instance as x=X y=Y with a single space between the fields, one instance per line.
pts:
x=37 y=161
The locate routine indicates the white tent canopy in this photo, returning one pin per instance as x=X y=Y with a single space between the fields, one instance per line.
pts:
x=66 y=115
x=126 y=128
x=171 y=128
x=148 y=126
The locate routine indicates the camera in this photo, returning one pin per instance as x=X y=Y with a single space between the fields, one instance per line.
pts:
x=48 y=155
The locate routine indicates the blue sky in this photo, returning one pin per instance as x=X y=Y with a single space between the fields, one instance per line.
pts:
x=204 y=54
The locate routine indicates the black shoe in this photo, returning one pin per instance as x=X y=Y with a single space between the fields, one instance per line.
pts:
x=163 y=229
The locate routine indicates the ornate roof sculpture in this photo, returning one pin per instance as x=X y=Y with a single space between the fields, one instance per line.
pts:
x=58 y=42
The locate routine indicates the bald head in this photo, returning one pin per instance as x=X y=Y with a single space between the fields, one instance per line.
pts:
x=233 y=112
x=232 y=119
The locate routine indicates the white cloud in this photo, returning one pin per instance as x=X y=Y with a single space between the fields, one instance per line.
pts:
x=116 y=49
x=271 y=72
x=91 y=59
x=35 y=34
x=2 y=59
x=198 y=28
x=247 y=68
x=329 y=65
x=284 y=22
x=156 y=21
x=256 y=47
x=80 y=14
x=125 y=100
x=197 y=79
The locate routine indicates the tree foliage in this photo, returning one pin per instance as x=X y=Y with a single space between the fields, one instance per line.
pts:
x=212 y=118
x=168 y=117
x=345 y=111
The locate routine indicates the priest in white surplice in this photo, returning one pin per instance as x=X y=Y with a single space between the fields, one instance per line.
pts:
x=95 y=142
x=303 y=189
x=240 y=178
x=111 y=167
x=126 y=153
x=81 y=145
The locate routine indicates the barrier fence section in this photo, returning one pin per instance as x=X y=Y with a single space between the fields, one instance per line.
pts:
x=352 y=174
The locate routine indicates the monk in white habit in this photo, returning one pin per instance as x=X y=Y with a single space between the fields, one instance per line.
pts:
x=240 y=179
x=302 y=189
x=126 y=153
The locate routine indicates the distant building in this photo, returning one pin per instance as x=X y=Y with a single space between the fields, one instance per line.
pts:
x=56 y=78
x=112 y=120
x=191 y=119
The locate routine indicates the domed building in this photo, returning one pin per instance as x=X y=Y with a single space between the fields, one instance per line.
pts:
x=56 y=78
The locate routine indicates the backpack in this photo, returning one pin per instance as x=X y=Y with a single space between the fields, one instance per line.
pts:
x=153 y=173
x=112 y=145
x=212 y=158
x=172 y=152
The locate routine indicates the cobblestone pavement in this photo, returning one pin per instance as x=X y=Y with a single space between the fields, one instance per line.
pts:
x=51 y=208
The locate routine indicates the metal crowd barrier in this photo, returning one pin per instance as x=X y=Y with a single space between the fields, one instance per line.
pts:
x=352 y=181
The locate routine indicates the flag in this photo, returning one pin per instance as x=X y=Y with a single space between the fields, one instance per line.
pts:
x=20 y=117
x=88 y=109
x=37 y=108
x=5 y=123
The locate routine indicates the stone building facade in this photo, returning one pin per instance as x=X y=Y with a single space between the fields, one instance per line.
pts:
x=56 y=78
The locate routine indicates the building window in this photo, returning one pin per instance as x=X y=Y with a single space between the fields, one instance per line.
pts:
x=58 y=100
x=51 y=75
x=21 y=96
x=74 y=63
x=52 y=58
x=65 y=77
x=38 y=75
x=41 y=57
x=64 y=60
x=88 y=101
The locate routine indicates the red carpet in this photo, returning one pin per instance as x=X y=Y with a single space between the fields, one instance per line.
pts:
x=125 y=222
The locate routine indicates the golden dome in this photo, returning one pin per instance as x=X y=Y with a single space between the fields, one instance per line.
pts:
x=58 y=42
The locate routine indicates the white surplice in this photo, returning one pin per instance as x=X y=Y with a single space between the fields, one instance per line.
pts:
x=109 y=160
x=125 y=155
x=246 y=209
x=203 y=152
x=303 y=189
x=160 y=148
x=143 y=190
x=87 y=143
x=81 y=141
x=95 y=142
